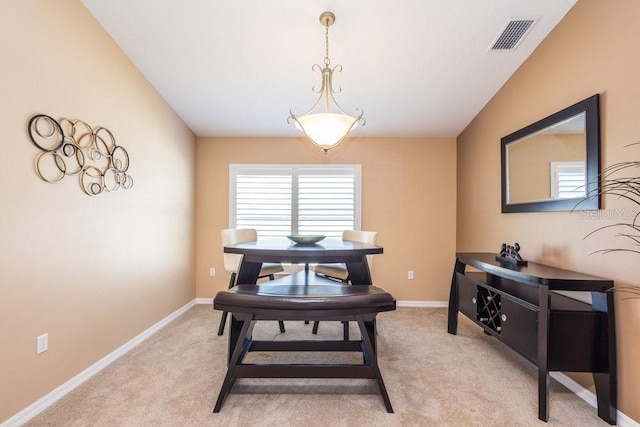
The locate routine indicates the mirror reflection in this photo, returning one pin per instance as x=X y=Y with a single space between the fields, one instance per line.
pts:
x=549 y=164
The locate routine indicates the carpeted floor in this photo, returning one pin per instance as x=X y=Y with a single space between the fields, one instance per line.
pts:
x=433 y=379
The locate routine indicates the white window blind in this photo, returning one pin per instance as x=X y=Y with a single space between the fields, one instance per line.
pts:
x=568 y=180
x=263 y=201
x=280 y=200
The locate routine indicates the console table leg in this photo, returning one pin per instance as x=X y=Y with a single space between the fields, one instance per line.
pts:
x=452 y=324
x=543 y=362
x=607 y=382
x=606 y=400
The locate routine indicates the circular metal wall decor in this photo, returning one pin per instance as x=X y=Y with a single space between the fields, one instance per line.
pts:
x=72 y=147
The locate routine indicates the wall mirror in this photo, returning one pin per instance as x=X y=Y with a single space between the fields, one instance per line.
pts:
x=554 y=163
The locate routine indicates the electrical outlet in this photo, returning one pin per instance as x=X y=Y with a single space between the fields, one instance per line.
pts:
x=212 y=272
x=42 y=343
x=410 y=275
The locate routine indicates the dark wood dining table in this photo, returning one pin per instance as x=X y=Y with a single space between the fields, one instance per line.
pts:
x=328 y=250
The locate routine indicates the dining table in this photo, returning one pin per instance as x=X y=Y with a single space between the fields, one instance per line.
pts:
x=284 y=250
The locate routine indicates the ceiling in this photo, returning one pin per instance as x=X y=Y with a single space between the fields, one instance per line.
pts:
x=418 y=68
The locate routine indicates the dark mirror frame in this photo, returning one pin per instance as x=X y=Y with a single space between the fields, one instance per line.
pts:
x=591 y=108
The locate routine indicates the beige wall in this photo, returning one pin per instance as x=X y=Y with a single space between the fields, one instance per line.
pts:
x=91 y=272
x=593 y=50
x=408 y=196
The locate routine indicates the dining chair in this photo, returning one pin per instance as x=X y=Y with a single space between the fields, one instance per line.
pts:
x=339 y=271
x=232 y=236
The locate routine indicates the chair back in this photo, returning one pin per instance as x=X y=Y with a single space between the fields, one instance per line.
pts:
x=362 y=237
x=232 y=236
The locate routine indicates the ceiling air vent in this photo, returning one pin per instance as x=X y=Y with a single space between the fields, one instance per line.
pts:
x=513 y=33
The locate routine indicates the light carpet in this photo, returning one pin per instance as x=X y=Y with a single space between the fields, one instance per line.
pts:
x=433 y=379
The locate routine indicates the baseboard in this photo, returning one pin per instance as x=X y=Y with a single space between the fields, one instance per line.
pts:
x=427 y=304
x=40 y=405
x=590 y=397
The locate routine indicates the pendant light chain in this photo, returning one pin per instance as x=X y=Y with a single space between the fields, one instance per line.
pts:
x=326 y=37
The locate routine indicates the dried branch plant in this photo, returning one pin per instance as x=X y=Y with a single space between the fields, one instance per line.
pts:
x=622 y=180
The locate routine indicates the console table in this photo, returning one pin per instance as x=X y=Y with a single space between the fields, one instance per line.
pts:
x=519 y=306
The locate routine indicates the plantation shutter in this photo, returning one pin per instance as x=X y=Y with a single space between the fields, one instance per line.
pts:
x=263 y=200
x=326 y=201
x=281 y=200
x=568 y=180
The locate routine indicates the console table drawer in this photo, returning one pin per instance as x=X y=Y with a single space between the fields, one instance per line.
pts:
x=467 y=296
x=520 y=328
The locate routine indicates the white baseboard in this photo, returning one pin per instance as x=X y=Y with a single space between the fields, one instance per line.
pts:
x=589 y=397
x=427 y=304
x=40 y=405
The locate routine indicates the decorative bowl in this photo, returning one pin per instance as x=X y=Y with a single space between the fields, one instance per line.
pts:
x=305 y=239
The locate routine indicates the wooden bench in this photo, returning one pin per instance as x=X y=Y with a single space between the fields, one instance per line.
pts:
x=302 y=298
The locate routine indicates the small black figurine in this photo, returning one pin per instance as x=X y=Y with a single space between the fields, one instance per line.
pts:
x=511 y=254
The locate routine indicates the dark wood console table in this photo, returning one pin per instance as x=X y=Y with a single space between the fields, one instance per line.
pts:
x=519 y=306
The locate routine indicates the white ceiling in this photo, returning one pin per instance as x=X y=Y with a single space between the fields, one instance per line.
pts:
x=418 y=68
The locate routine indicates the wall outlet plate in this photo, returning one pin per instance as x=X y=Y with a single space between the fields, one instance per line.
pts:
x=42 y=343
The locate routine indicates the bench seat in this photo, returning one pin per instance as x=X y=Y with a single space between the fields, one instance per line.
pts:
x=324 y=297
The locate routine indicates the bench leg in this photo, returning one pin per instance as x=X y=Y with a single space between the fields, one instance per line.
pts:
x=237 y=349
x=368 y=332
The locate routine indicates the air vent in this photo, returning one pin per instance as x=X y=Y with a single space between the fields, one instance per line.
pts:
x=513 y=33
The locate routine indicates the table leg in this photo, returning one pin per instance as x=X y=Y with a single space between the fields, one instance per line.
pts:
x=359 y=273
x=248 y=272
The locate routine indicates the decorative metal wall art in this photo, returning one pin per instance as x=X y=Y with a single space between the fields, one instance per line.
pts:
x=72 y=147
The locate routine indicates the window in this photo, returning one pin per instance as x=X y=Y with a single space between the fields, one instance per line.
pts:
x=567 y=180
x=278 y=200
